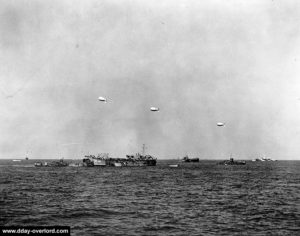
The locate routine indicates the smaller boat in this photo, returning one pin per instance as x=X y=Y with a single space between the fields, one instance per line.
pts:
x=264 y=159
x=187 y=159
x=60 y=163
x=100 y=160
x=38 y=164
x=117 y=164
x=174 y=166
x=231 y=161
x=75 y=164
x=16 y=160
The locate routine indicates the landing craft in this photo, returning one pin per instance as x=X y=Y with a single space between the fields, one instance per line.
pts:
x=102 y=99
x=154 y=109
x=220 y=124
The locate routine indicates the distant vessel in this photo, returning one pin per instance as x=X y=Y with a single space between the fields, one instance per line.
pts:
x=231 y=161
x=130 y=160
x=16 y=160
x=264 y=159
x=38 y=164
x=60 y=163
x=187 y=159
x=91 y=160
x=140 y=160
x=174 y=165
x=75 y=164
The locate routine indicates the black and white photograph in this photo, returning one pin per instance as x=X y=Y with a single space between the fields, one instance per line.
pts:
x=149 y=117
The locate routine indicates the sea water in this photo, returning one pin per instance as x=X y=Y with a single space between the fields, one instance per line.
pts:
x=259 y=198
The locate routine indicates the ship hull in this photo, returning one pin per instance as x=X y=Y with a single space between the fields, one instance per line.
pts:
x=191 y=160
x=91 y=161
x=99 y=163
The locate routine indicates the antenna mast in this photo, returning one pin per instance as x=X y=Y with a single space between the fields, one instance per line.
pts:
x=144 y=148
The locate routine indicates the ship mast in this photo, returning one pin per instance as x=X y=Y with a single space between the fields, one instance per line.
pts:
x=144 y=148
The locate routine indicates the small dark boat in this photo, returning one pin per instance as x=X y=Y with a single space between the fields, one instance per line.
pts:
x=140 y=160
x=232 y=162
x=187 y=159
x=60 y=163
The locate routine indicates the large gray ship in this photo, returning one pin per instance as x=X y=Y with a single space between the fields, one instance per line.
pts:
x=130 y=160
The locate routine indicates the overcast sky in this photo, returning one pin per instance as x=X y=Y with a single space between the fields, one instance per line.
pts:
x=200 y=62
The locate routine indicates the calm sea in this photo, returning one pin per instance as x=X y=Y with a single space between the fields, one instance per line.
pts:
x=260 y=198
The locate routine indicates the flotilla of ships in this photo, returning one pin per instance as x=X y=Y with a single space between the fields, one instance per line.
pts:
x=103 y=160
